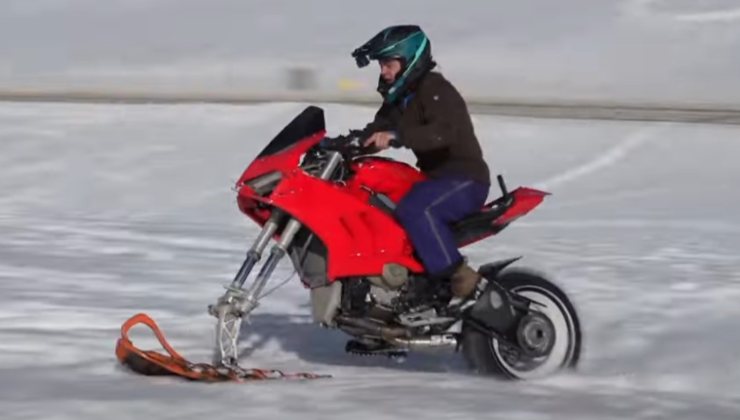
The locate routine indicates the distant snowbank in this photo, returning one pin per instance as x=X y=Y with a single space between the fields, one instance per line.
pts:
x=538 y=108
x=626 y=51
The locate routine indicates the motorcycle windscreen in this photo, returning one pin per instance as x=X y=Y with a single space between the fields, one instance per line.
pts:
x=306 y=124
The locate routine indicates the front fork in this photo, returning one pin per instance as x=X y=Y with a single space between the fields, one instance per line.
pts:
x=238 y=302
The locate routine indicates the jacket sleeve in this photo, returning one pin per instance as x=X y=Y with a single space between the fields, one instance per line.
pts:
x=381 y=122
x=444 y=110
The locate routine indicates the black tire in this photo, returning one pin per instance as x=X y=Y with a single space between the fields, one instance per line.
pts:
x=485 y=354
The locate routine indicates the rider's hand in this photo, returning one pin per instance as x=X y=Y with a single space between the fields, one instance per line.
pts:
x=381 y=140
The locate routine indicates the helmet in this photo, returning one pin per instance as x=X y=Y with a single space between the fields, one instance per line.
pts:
x=410 y=45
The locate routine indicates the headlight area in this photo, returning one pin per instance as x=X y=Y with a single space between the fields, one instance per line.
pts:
x=264 y=184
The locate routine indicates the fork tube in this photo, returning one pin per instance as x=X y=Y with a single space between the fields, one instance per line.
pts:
x=280 y=249
x=255 y=252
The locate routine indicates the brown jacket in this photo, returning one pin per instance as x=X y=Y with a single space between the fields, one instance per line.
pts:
x=436 y=126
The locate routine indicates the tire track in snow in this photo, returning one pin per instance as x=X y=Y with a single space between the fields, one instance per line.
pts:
x=651 y=8
x=608 y=158
x=710 y=16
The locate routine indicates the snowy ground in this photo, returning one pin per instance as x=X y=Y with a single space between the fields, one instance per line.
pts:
x=109 y=210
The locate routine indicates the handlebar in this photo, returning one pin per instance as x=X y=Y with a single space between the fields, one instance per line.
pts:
x=351 y=144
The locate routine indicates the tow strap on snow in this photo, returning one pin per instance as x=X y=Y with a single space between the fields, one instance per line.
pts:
x=153 y=363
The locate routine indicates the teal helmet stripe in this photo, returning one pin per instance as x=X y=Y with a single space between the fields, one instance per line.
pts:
x=401 y=80
x=391 y=47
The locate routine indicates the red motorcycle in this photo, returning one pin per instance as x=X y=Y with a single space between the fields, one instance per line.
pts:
x=329 y=207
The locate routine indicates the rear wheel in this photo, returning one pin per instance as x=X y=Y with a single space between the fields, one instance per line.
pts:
x=549 y=337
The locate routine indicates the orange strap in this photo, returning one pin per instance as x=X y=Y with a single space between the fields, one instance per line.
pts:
x=148 y=362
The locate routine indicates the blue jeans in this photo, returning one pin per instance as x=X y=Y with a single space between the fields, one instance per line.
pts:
x=427 y=212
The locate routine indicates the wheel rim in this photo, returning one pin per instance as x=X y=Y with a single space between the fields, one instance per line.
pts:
x=536 y=335
x=518 y=364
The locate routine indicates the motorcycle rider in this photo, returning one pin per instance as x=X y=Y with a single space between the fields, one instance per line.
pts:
x=424 y=112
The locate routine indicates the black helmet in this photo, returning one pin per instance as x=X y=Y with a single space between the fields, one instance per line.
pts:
x=410 y=45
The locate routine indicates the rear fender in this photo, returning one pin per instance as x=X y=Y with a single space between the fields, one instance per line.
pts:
x=496 y=310
x=491 y=270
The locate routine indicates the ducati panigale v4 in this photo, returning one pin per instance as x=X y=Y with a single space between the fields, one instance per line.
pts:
x=328 y=206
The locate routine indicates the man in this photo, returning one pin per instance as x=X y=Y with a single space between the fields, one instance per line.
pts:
x=424 y=112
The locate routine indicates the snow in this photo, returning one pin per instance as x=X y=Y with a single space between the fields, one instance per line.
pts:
x=110 y=210
x=683 y=51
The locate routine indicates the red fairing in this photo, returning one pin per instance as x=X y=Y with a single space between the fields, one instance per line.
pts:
x=359 y=238
x=525 y=199
x=384 y=176
x=284 y=161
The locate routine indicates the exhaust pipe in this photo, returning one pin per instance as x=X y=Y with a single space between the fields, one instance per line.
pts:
x=398 y=336
x=427 y=343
